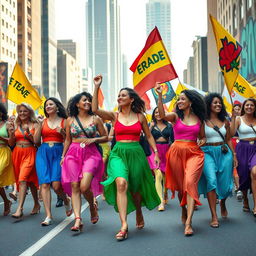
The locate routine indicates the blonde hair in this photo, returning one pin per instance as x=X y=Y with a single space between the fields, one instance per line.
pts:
x=32 y=116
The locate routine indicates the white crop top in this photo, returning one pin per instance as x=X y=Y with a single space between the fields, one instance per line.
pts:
x=213 y=136
x=245 y=131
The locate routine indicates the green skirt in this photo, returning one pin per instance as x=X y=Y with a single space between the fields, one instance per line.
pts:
x=128 y=160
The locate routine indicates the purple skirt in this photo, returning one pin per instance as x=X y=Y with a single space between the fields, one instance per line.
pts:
x=162 y=150
x=246 y=156
x=78 y=161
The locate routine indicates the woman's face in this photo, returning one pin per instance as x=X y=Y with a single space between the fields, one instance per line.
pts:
x=124 y=99
x=183 y=102
x=50 y=107
x=84 y=103
x=216 y=105
x=249 y=107
x=156 y=115
x=23 y=113
x=237 y=109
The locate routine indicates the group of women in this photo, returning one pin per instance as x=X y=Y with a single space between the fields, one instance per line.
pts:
x=192 y=153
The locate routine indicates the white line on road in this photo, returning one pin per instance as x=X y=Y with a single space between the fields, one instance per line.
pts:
x=49 y=236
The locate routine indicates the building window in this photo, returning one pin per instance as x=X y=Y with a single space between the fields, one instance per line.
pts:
x=234 y=18
x=6 y=24
x=7 y=39
x=2 y=22
x=3 y=50
x=7 y=52
x=2 y=8
x=2 y=36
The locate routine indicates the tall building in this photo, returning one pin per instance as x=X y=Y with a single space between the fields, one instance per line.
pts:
x=29 y=40
x=103 y=45
x=70 y=47
x=8 y=43
x=49 y=48
x=190 y=72
x=158 y=13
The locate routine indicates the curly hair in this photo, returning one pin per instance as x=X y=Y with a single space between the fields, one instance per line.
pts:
x=73 y=109
x=138 y=105
x=32 y=116
x=197 y=105
x=254 y=102
x=4 y=112
x=222 y=115
x=154 y=118
x=61 y=111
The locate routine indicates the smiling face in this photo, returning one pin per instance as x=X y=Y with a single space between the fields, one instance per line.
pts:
x=23 y=113
x=249 y=107
x=216 y=105
x=183 y=102
x=50 y=107
x=156 y=115
x=84 y=103
x=124 y=98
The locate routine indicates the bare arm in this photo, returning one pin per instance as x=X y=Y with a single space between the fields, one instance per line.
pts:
x=102 y=131
x=105 y=115
x=234 y=124
x=68 y=139
x=201 y=136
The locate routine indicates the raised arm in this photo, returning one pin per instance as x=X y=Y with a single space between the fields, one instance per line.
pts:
x=171 y=117
x=235 y=122
x=105 y=115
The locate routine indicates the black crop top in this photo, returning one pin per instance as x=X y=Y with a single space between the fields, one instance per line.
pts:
x=166 y=133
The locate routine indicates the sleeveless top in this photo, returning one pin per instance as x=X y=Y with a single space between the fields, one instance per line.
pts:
x=212 y=136
x=49 y=134
x=127 y=132
x=166 y=133
x=3 y=133
x=185 y=132
x=245 y=131
x=20 y=137
x=77 y=132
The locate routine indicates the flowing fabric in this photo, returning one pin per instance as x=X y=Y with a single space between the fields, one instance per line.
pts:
x=184 y=167
x=217 y=172
x=128 y=160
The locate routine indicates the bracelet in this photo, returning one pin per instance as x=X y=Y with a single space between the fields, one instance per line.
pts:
x=156 y=151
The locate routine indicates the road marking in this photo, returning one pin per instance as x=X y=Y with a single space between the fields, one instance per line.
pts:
x=49 y=236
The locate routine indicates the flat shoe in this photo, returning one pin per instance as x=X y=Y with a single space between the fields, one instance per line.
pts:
x=46 y=222
x=214 y=225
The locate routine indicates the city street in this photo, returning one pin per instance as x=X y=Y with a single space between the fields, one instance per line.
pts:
x=162 y=235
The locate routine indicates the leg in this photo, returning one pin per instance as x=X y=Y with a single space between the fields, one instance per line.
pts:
x=246 y=207
x=22 y=197
x=7 y=202
x=76 y=204
x=34 y=193
x=159 y=187
x=211 y=196
x=46 y=196
x=139 y=215
x=13 y=194
x=223 y=209
x=190 y=210
x=184 y=213
x=253 y=178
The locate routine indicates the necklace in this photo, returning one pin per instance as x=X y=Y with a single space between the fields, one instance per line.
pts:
x=53 y=124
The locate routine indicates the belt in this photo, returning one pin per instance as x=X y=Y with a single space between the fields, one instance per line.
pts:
x=24 y=145
x=249 y=141
x=214 y=144
x=51 y=144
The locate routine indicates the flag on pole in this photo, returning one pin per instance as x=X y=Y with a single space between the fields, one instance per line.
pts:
x=152 y=65
x=229 y=53
x=20 y=90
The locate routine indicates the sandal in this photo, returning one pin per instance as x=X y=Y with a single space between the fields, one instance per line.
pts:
x=47 y=221
x=122 y=235
x=214 y=224
x=94 y=219
x=68 y=208
x=188 y=230
x=246 y=209
x=161 y=207
x=7 y=208
x=77 y=228
x=140 y=224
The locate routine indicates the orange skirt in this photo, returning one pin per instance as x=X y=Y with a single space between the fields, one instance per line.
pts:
x=184 y=167
x=24 y=165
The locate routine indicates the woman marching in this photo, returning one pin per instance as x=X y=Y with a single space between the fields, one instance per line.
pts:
x=6 y=168
x=24 y=155
x=162 y=132
x=130 y=183
x=245 y=125
x=48 y=157
x=185 y=159
x=217 y=179
x=81 y=162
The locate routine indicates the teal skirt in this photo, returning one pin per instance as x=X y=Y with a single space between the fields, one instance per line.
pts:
x=128 y=160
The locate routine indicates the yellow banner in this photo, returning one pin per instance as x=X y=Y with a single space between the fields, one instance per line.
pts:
x=20 y=90
x=41 y=108
x=244 y=88
x=155 y=57
x=229 y=53
x=179 y=89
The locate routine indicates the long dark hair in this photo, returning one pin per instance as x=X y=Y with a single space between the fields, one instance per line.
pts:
x=254 y=102
x=73 y=109
x=154 y=119
x=4 y=112
x=197 y=105
x=138 y=105
x=222 y=115
x=61 y=111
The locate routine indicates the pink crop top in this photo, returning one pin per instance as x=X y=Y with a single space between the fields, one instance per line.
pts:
x=185 y=132
x=127 y=132
x=49 y=134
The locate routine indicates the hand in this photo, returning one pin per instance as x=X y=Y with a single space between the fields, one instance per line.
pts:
x=97 y=80
x=89 y=141
x=60 y=130
x=201 y=142
x=26 y=128
x=157 y=160
x=61 y=161
x=158 y=88
x=40 y=119
x=235 y=161
x=235 y=113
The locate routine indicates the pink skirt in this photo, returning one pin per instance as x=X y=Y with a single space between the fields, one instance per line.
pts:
x=162 y=150
x=79 y=161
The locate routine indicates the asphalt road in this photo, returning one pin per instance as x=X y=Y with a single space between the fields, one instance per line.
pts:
x=162 y=235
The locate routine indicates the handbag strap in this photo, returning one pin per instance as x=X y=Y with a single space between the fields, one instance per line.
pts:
x=80 y=125
x=252 y=128
x=217 y=129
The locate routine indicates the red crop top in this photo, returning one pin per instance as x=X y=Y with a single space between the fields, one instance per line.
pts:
x=127 y=132
x=49 y=134
x=19 y=136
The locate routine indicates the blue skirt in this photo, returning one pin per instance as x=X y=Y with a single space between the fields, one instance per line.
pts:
x=48 y=163
x=217 y=172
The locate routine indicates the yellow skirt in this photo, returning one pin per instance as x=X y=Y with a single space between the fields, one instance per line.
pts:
x=6 y=168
